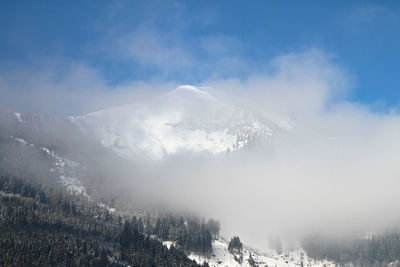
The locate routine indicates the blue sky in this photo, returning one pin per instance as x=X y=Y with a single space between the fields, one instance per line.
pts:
x=195 y=41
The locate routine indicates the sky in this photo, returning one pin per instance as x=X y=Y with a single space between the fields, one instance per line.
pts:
x=86 y=47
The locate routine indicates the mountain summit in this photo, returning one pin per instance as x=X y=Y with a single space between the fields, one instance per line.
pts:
x=187 y=119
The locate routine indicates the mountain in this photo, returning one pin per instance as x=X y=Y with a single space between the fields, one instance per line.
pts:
x=54 y=151
x=62 y=185
x=187 y=119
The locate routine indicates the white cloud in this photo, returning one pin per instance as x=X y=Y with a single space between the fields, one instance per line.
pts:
x=68 y=88
x=295 y=84
x=336 y=171
x=148 y=47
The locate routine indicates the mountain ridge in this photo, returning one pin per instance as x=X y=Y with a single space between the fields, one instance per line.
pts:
x=187 y=118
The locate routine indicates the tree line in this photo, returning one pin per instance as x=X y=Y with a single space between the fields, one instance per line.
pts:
x=46 y=226
x=377 y=250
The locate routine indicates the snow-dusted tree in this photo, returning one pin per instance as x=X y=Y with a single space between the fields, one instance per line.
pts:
x=235 y=245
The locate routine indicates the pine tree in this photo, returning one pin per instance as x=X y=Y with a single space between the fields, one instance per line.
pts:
x=235 y=245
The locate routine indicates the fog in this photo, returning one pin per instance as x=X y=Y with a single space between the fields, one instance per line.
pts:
x=335 y=171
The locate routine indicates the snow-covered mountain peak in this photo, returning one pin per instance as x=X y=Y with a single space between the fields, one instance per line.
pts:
x=191 y=100
x=187 y=118
x=190 y=89
x=191 y=93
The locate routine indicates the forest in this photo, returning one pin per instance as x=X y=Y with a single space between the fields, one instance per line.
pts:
x=380 y=249
x=47 y=226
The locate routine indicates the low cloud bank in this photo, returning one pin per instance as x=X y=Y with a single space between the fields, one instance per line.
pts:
x=335 y=171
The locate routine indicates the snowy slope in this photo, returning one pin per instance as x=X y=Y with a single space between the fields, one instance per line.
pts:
x=222 y=257
x=37 y=144
x=63 y=168
x=185 y=119
x=66 y=171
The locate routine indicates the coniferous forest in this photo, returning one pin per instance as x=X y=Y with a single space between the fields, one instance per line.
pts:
x=381 y=249
x=46 y=226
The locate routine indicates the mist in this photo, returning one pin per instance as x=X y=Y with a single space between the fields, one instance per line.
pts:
x=333 y=171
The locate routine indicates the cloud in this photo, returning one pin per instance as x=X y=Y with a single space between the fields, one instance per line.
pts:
x=368 y=19
x=56 y=84
x=372 y=14
x=292 y=84
x=65 y=87
x=162 y=45
x=335 y=171
x=149 y=48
